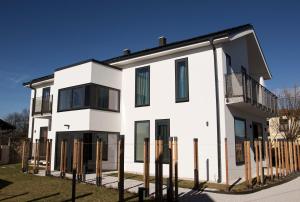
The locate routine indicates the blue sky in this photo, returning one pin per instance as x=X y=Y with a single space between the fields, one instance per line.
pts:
x=38 y=36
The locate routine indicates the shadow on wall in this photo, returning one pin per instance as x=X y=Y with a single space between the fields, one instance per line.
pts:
x=193 y=195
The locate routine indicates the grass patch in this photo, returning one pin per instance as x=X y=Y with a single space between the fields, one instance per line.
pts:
x=17 y=186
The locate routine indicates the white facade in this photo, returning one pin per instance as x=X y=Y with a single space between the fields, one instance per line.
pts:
x=196 y=118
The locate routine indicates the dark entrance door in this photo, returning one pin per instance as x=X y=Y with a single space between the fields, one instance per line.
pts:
x=43 y=139
x=162 y=132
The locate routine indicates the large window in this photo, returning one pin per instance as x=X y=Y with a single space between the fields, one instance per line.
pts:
x=142 y=86
x=181 y=80
x=240 y=135
x=89 y=96
x=162 y=132
x=142 y=131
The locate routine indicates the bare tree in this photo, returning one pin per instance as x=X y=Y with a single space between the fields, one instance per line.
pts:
x=20 y=121
x=287 y=124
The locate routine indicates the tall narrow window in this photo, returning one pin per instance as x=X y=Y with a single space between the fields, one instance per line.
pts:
x=78 y=97
x=142 y=86
x=142 y=131
x=181 y=80
x=162 y=132
x=240 y=135
x=228 y=63
x=65 y=99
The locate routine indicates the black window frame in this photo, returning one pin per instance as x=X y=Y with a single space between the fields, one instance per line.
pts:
x=238 y=163
x=187 y=98
x=90 y=98
x=135 y=138
x=135 y=90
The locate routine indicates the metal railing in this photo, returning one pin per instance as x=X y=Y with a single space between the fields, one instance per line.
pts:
x=42 y=105
x=243 y=85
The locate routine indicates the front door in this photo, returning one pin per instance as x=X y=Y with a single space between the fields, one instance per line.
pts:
x=162 y=132
x=43 y=139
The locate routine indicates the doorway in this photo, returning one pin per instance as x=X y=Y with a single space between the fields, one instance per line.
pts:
x=258 y=134
x=43 y=139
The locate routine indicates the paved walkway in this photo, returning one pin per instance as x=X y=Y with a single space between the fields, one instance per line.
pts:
x=287 y=192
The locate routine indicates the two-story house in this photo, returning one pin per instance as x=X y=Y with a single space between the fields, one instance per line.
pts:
x=209 y=87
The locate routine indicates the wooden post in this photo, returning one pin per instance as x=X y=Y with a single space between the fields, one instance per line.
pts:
x=62 y=150
x=226 y=161
x=156 y=169
x=146 y=165
x=160 y=169
x=176 y=168
x=260 y=162
x=276 y=158
x=35 y=168
x=47 y=158
x=99 y=162
x=170 y=192
x=279 y=158
x=267 y=157
x=291 y=157
x=246 y=161
x=271 y=159
x=24 y=159
x=298 y=154
x=286 y=151
x=256 y=162
x=283 y=165
x=249 y=163
x=78 y=159
x=50 y=152
x=121 y=169
x=196 y=162
x=65 y=155
x=75 y=145
x=295 y=157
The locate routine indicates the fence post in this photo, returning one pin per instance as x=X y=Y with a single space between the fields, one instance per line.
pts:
x=62 y=150
x=291 y=157
x=156 y=168
x=276 y=158
x=295 y=157
x=75 y=145
x=246 y=161
x=170 y=193
x=283 y=164
x=249 y=163
x=47 y=158
x=279 y=158
x=298 y=154
x=24 y=159
x=196 y=164
x=146 y=165
x=226 y=161
x=78 y=159
x=256 y=161
x=73 y=184
x=121 y=169
x=271 y=159
x=50 y=152
x=160 y=169
x=176 y=167
x=267 y=157
x=260 y=162
x=36 y=162
x=99 y=162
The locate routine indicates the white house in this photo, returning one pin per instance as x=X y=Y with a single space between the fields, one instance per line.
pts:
x=208 y=87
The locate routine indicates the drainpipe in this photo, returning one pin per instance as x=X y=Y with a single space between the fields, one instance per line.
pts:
x=217 y=110
x=32 y=121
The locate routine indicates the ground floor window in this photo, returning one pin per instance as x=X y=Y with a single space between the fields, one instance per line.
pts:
x=89 y=147
x=240 y=135
x=162 y=132
x=141 y=131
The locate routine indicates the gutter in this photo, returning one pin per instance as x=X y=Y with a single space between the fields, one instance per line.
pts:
x=217 y=110
x=32 y=121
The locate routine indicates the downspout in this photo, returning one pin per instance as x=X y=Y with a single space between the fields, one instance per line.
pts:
x=217 y=110
x=32 y=121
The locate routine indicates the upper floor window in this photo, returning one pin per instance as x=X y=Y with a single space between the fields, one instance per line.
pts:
x=181 y=80
x=142 y=86
x=91 y=96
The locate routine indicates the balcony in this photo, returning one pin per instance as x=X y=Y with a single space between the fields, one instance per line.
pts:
x=42 y=105
x=242 y=88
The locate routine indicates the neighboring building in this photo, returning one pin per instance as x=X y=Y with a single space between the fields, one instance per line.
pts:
x=208 y=87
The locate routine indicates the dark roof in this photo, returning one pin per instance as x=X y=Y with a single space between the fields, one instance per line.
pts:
x=177 y=44
x=169 y=46
x=6 y=126
x=43 y=78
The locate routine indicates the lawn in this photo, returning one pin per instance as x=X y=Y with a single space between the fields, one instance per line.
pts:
x=17 y=186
